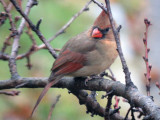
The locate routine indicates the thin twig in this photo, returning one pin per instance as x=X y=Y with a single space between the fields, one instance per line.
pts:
x=132 y=113
x=9 y=7
x=12 y=63
x=62 y=30
x=108 y=107
x=4 y=56
x=126 y=117
x=148 y=67
x=119 y=49
x=3 y=18
x=33 y=27
x=12 y=24
x=13 y=27
x=53 y=106
x=100 y=5
x=15 y=46
x=29 y=65
x=10 y=93
x=99 y=84
x=29 y=33
x=115 y=111
x=112 y=74
x=38 y=24
x=107 y=93
x=129 y=82
x=116 y=98
x=140 y=112
x=6 y=42
x=107 y=75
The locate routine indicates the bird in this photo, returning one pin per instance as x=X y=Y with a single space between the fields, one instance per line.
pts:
x=89 y=53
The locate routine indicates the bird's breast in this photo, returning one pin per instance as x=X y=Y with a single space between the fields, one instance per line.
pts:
x=99 y=59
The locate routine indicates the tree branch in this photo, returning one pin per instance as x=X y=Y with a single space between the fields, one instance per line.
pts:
x=53 y=106
x=145 y=58
x=93 y=106
x=133 y=96
x=10 y=93
x=33 y=27
x=129 y=82
x=119 y=49
x=62 y=30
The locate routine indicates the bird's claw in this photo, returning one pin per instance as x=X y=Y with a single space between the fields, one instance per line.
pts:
x=94 y=77
x=90 y=78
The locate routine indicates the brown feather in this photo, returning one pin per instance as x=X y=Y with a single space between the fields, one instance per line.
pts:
x=102 y=20
x=69 y=67
x=68 y=62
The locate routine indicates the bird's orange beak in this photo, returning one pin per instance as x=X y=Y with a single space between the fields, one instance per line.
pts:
x=96 y=33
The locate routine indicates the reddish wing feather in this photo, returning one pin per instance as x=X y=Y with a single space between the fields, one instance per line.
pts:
x=68 y=62
x=69 y=67
x=60 y=59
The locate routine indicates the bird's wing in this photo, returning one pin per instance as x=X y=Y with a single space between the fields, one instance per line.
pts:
x=68 y=62
x=73 y=55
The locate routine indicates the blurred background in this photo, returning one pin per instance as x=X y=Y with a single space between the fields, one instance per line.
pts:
x=55 y=13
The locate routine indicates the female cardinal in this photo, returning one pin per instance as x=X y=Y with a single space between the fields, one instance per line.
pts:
x=89 y=53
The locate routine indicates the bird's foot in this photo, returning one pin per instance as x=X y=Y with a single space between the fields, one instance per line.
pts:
x=90 y=78
x=103 y=74
x=94 y=77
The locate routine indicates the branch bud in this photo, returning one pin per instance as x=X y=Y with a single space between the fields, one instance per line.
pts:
x=145 y=59
x=144 y=40
x=145 y=74
x=150 y=67
x=157 y=84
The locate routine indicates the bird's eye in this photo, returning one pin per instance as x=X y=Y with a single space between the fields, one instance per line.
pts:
x=106 y=30
x=96 y=33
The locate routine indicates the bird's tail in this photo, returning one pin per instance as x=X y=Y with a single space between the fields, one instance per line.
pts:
x=51 y=83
